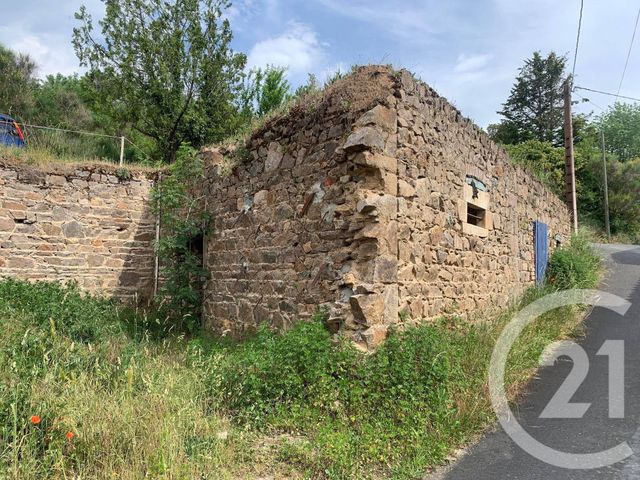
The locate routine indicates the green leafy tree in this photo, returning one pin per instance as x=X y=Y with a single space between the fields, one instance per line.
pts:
x=164 y=68
x=541 y=158
x=58 y=103
x=17 y=83
x=621 y=125
x=533 y=110
x=624 y=196
x=273 y=89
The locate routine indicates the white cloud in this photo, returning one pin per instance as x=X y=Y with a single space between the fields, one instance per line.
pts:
x=297 y=48
x=471 y=63
x=52 y=55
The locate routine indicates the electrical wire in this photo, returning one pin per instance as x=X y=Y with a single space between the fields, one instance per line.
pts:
x=607 y=93
x=575 y=54
x=626 y=63
x=588 y=100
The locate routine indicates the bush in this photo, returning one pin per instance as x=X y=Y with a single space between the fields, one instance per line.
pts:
x=574 y=266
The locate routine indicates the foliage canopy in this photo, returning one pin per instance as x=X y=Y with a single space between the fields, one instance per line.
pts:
x=165 y=68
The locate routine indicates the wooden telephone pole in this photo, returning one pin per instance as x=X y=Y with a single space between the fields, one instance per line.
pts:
x=569 y=165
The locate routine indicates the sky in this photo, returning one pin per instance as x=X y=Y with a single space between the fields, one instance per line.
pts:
x=467 y=50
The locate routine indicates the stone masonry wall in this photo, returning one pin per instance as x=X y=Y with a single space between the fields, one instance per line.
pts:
x=444 y=263
x=289 y=218
x=357 y=201
x=84 y=224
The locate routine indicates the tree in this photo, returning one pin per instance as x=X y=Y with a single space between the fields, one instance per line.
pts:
x=16 y=83
x=273 y=89
x=624 y=196
x=58 y=103
x=308 y=88
x=165 y=68
x=621 y=125
x=533 y=110
x=542 y=159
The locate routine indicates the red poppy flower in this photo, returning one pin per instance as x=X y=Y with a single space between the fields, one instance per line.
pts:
x=35 y=419
x=70 y=435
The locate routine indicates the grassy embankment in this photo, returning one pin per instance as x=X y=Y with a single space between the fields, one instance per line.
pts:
x=94 y=391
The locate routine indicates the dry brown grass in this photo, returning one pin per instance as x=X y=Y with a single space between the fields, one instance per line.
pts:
x=43 y=160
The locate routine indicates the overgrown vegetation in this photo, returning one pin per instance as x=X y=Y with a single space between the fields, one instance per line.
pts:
x=184 y=221
x=143 y=402
x=87 y=392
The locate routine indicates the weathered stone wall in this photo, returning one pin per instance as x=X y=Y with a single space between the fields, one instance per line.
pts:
x=84 y=224
x=445 y=264
x=287 y=219
x=357 y=201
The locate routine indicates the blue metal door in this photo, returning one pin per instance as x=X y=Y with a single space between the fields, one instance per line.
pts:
x=542 y=249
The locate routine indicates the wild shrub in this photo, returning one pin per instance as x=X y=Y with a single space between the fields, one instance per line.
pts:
x=576 y=265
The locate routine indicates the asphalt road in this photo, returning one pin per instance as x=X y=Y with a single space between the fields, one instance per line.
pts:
x=497 y=457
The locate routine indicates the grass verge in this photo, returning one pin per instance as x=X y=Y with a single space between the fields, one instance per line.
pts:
x=143 y=404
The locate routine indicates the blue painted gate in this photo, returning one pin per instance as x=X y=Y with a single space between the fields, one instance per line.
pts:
x=540 y=233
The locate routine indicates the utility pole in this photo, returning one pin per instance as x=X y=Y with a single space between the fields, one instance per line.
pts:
x=607 y=226
x=569 y=166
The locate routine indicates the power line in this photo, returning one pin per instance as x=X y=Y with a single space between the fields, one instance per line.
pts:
x=607 y=93
x=626 y=63
x=588 y=100
x=575 y=54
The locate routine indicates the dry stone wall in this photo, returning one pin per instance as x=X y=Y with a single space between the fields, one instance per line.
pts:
x=446 y=264
x=288 y=220
x=85 y=224
x=359 y=202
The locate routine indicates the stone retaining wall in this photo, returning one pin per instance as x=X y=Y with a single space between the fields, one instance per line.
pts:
x=84 y=224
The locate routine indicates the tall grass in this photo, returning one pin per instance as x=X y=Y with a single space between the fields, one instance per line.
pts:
x=128 y=399
x=144 y=404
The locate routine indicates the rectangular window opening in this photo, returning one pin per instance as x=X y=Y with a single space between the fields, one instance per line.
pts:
x=476 y=215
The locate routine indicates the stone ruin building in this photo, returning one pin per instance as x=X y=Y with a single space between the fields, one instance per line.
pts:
x=378 y=201
x=374 y=199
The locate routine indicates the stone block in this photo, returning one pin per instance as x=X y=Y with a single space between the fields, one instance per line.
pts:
x=374 y=336
x=376 y=160
x=384 y=206
x=368 y=309
x=385 y=269
x=365 y=138
x=380 y=116
x=73 y=229
x=261 y=197
x=7 y=224
x=405 y=189
x=56 y=180
x=274 y=157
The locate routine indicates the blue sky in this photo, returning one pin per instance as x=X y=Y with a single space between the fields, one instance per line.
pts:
x=468 y=50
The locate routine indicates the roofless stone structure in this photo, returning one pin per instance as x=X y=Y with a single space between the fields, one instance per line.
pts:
x=378 y=200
